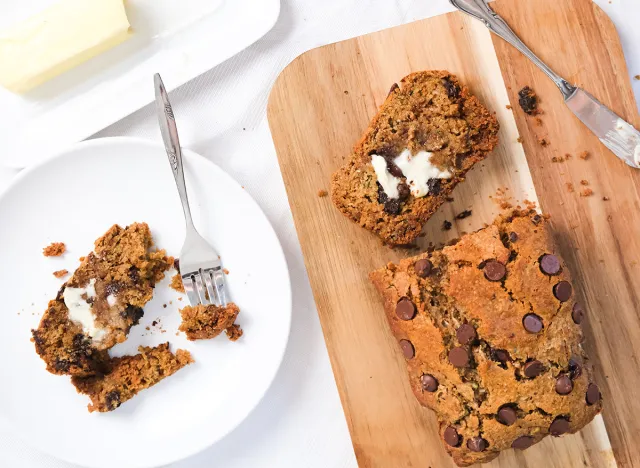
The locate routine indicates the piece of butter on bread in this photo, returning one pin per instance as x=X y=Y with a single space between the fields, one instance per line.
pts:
x=61 y=37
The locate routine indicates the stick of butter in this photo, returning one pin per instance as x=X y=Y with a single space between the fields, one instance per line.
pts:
x=61 y=37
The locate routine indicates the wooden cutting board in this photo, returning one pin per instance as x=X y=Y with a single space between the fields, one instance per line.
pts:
x=319 y=107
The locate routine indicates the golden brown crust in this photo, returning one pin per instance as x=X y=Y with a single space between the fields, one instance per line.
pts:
x=458 y=291
x=128 y=375
x=430 y=111
x=125 y=271
x=205 y=322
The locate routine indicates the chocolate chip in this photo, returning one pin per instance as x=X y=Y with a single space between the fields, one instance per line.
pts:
x=464 y=214
x=382 y=196
x=452 y=437
x=405 y=309
x=522 y=442
x=532 y=323
x=112 y=400
x=559 y=426
x=112 y=288
x=528 y=100
x=407 y=349
x=459 y=357
x=494 y=270
x=513 y=237
x=392 y=206
x=507 y=415
x=62 y=365
x=477 y=444
x=134 y=274
x=423 y=267
x=435 y=186
x=533 y=369
x=577 y=314
x=403 y=191
x=536 y=219
x=466 y=333
x=500 y=355
x=564 y=385
x=562 y=291
x=132 y=313
x=593 y=394
x=446 y=225
x=176 y=262
x=550 y=264
x=393 y=169
x=575 y=369
x=429 y=383
x=453 y=90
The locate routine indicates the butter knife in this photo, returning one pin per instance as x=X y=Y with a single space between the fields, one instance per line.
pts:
x=614 y=132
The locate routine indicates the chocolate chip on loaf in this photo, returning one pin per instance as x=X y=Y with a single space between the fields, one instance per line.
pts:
x=496 y=325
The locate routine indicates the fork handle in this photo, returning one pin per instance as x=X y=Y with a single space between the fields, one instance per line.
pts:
x=169 y=132
x=479 y=9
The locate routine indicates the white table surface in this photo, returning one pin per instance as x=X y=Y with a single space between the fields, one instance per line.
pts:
x=222 y=115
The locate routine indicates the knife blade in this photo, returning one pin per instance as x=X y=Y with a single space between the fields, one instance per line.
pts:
x=613 y=131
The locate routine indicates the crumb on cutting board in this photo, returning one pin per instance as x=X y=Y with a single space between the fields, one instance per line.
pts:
x=586 y=192
x=584 y=182
x=60 y=273
x=322 y=193
x=584 y=155
x=55 y=249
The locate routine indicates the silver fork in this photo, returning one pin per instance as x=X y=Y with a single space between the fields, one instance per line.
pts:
x=200 y=264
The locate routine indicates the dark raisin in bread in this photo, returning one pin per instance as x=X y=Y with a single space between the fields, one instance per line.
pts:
x=490 y=330
x=428 y=133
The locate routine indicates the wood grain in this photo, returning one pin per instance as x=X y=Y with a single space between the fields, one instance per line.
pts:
x=319 y=107
x=601 y=239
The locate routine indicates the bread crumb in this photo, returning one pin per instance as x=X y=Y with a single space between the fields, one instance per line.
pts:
x=557 y=159
x=570 y=187
x=543 y=142
x=176 y=283
x=179 y=298
x=605 y=198
x=509 y=107
x=226 y=272
x=529 y=204
x=81 y=259
x=322 y=193
x=464 y=214
x=147 y=328
x=584 y=182
x=54 y=250
x=587 y=192
x=637 y=77
x=60 y=273
x=520 y=140
x=538 y=121
x=584 y=155
x=164 y=306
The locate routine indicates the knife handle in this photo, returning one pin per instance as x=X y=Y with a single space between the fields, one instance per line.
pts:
x=479 y=9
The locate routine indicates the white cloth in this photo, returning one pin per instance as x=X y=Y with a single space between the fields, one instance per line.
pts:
x=222 y=115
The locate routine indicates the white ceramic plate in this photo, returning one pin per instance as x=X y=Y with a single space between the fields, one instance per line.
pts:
x=74 y=198
x=180 y=39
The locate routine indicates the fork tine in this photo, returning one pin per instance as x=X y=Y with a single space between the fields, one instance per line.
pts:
x=208 y=281
x=218 y=281
x=190 y=289
x=202 y=292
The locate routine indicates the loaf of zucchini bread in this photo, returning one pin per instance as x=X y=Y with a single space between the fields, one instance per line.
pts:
x=490 y=330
